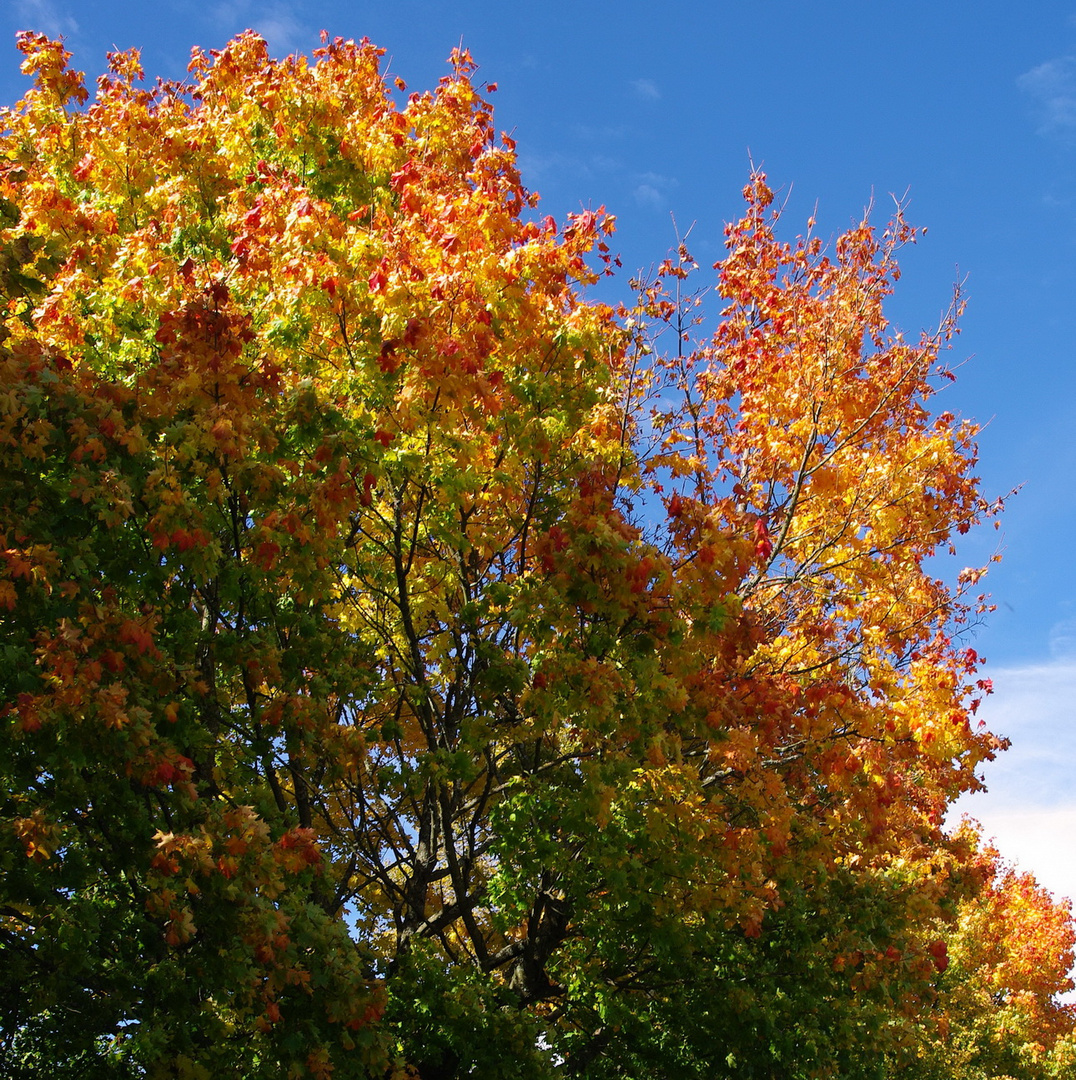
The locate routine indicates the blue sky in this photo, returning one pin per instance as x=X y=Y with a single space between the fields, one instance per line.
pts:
x=966 y=108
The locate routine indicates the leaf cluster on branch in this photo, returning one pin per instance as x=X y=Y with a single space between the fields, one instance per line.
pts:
x=414 y=668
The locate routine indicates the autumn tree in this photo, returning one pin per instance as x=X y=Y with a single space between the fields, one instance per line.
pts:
x=998 y=1011
x=412 y=667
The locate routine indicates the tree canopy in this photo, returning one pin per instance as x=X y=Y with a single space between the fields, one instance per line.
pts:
x=414 y=667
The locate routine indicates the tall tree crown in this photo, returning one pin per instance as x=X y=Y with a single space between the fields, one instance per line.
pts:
x=411 y=667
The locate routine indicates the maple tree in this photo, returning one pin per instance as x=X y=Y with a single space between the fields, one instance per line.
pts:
x=412 y=667
x=1008 y=961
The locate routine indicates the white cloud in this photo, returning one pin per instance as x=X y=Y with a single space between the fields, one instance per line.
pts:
x=647 y=89
x=1040 y=841
x=1030 y=802
x=1035 y=707
x=1052 y=86
x=1029 y=807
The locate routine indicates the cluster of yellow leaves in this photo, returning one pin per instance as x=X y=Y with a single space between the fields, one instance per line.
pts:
x=802 y=441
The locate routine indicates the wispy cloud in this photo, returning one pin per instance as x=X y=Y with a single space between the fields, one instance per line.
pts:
x=276 y=22
x=646 y=89
x=648 y=195
x=1035 y=707
x=1062 y=640
x=1030 y=802
x=601 y=133
x=1052 y=86
x=551 y=168
x=652 y=190
x=284 y=32
x=45 y=16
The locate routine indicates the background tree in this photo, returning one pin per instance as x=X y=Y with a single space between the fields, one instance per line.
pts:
x=406 y=669
x=1008 y=962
